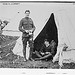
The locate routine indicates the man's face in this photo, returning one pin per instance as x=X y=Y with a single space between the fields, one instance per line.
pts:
x=27 y=14
x=46 y=43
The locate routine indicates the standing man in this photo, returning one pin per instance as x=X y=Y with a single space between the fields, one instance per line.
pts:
x=27 y=27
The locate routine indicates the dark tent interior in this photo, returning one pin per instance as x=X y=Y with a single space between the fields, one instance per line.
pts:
x=48 y=32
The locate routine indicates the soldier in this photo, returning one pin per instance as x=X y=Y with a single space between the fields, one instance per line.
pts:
x=27 y=27
x=47 y=51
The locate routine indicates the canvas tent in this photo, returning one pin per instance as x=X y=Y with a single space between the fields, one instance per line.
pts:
x=63 y=20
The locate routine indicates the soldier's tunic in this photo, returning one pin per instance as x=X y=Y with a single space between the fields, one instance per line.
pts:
x=27 y=24
x=50 y=49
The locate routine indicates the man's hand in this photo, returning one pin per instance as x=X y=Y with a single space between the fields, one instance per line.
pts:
x=27 y=31
x=42 y=53
x=47 y=52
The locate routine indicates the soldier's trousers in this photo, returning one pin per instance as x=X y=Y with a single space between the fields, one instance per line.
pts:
x=30 y=40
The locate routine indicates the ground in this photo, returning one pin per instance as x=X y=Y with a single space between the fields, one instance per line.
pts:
x=7 y=57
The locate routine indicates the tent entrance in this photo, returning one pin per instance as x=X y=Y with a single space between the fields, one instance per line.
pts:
x=48 y=32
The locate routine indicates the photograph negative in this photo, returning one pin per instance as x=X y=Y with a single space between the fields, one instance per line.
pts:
x=37 y=35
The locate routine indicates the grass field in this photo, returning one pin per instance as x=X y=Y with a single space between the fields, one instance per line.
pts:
x=7 y=57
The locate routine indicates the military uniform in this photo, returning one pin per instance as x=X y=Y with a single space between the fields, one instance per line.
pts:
x=48 y=52
x=27 y=24
x=50 y=48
